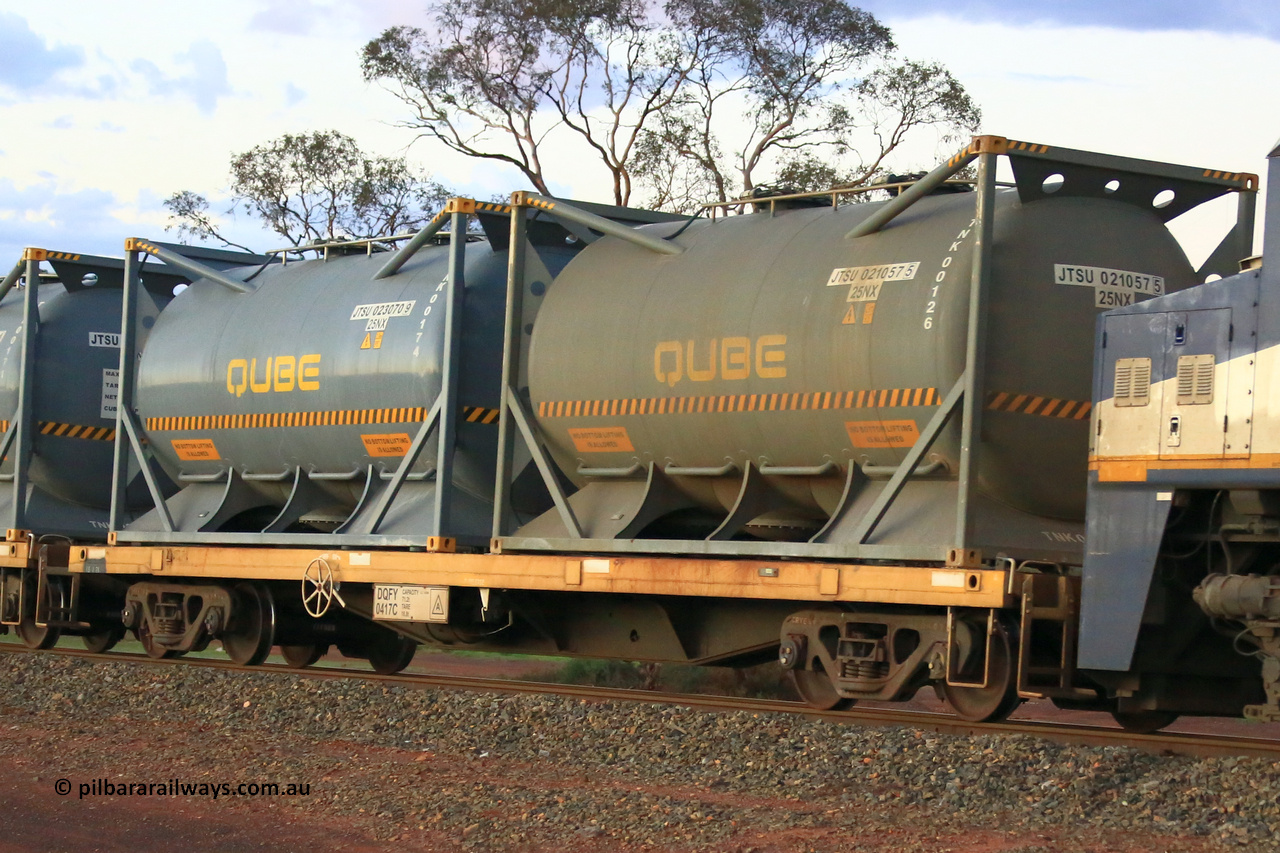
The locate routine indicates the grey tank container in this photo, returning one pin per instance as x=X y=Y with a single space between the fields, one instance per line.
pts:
x=751 y=349
x=286 y=409
x=74 y=391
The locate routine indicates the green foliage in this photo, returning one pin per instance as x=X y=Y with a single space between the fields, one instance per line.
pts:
x=600 y=673
x=316 y=187
x=687 y=99
x=189 y=216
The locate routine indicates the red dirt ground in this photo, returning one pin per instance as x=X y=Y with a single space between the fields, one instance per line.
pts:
x=34 y=818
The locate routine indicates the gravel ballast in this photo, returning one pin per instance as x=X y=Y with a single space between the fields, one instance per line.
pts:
x=511 y=772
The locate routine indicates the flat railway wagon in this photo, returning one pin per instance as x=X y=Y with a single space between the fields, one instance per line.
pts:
x=875 y=441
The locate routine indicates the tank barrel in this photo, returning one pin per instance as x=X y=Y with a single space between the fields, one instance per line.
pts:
x=11 y=279
x=416 y=242
x=195 y=268
x=596 y=223
x=915 y=192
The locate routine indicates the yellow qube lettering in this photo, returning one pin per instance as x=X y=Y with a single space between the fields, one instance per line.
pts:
x=735 y=358
x=671 y=368
x=237 y=376
x=286 y=366
x=769 y=351
x=254 y=385
x=279 y=373
x=707 y=373
x=309 y=372
x=719 y=358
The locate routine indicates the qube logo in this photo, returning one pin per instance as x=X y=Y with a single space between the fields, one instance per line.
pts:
x=280 y=373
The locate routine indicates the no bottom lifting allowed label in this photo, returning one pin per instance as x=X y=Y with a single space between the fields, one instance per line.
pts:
x=404 y=602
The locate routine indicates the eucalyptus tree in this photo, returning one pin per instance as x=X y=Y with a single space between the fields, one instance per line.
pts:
x=315 y=187
x=686 y=99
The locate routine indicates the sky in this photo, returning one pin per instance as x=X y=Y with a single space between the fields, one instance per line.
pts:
x=112 y=107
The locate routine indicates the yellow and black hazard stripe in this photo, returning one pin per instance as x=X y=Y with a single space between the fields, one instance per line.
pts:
x=540 y=203
x=61 y=430
x=1046 y=407
x=480 y=415
x=1028 y=147
x=995 y=145
x=338 y=417
x=91 y=433
x=789 y=402
x=470 y=205
x=1245 y=179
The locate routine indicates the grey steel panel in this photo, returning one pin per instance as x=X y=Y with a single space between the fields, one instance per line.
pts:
x=917 y=526
x=767 y=550
x=300 y=540
x=1126 y=526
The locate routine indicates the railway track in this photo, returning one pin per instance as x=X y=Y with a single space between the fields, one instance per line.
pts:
x=1165 y=743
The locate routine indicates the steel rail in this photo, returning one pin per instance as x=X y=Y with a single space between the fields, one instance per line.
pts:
x=1162 y=743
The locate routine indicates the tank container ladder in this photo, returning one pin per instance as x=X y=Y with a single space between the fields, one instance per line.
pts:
x=1048 y=633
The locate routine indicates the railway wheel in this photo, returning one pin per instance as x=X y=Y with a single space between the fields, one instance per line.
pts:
x=104 y=640
x=251 y=633
x=817 y=691
x=390 y=654
x=150 y=646
x=42 y=637
x=303 y=656
x=34 y=637
x=999 y=698
x=1143 y=722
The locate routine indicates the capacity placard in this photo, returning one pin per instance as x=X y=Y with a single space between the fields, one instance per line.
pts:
x=402 y=602
x=110 y=392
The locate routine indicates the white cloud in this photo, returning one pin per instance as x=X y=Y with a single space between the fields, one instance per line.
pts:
x=289 y=17
x=261 y=68
x=204 y=84
x=30 y=64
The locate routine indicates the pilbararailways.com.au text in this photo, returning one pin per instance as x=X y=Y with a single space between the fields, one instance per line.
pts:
x=178 y=788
